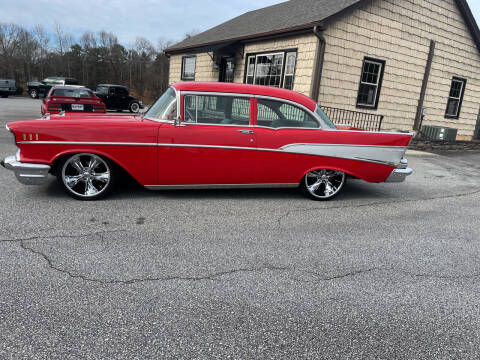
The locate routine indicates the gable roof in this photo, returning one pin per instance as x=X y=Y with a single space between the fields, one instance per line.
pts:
x=286 y=17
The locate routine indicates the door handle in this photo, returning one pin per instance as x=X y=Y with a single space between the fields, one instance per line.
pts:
x=248 y=132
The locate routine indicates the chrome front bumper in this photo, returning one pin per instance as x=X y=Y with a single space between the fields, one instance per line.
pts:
x=28 y=174
x=400 y=173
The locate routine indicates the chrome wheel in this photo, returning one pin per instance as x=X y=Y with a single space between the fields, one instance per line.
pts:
x=33 y=94
x=86 y=176
x=134 y=107
x=324 y=184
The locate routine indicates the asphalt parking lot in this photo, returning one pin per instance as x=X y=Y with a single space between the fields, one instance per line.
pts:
x=389 y=271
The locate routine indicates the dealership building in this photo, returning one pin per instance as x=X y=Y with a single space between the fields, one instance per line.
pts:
x=414 y=64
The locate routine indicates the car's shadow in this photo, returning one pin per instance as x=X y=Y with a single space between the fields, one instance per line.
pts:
x=129 y=189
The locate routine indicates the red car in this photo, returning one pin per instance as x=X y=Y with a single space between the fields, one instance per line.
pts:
x=71 y=99
x=207 y=135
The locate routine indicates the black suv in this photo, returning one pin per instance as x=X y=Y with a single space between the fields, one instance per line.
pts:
x=40 y=89
x=116 y=97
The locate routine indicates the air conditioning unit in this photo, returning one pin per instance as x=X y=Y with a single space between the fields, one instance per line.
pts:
x=439 y=133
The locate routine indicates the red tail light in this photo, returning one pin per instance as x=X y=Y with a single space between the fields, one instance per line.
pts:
x=54 y=107
x=99 y=108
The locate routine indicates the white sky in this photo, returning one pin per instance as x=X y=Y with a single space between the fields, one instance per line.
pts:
x=152 y=19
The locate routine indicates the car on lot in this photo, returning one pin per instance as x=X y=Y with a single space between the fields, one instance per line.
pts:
x=40 y=89
x=71 y=99
x=117 y=97
x=207 y=135
x=7 y=87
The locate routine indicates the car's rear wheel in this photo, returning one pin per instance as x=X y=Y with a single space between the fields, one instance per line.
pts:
x=323 y=184
x=34 y=94
x=134 y=107
x=86 y=176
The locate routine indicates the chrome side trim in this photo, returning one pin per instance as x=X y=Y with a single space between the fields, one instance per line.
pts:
x=220 y=186
x=377 y=132
x=384 y=155
x=28 y=174
x=86 y=143
x=215 y=147
x=216 y=93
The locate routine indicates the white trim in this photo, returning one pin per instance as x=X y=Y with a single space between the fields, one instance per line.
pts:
x=273 y=54
x=286 y=68
x=385 y=155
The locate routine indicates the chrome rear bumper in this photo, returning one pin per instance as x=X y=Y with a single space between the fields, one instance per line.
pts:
x=28 y=174
x=400 y=173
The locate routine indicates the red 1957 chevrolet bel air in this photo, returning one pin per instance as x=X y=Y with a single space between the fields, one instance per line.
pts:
x=207 y=135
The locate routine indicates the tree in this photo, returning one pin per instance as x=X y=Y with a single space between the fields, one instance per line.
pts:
x=92 y=58
x=9 y=43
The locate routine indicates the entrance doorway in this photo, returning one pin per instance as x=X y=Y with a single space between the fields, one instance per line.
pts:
x=227 y=69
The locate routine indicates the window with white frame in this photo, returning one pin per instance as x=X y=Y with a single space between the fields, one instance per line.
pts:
x=290 y=70
x=271 y=69
x=455 y=98
x=370 y=83
x=188 y=67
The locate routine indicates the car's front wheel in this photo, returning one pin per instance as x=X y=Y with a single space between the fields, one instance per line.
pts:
x=323 y=184
x=34 y=94
x=134 y=107
x=86 y=176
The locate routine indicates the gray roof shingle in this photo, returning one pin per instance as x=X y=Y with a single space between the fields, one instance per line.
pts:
x=286 y=15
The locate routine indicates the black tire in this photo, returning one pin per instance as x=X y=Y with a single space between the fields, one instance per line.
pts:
x=66 y=171
x=4 y=96
x=330 y=185
x=134 y=107
x=34 y=94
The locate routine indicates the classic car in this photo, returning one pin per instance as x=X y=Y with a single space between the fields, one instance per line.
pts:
x=7 y=87
x=207 y=135
x=71 y=99
x=116 y=97
x=40 y=89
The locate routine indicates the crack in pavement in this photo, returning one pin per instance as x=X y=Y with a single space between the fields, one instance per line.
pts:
x=341 y=276
x=282 y=217
x=217 y=275
x=38 y=237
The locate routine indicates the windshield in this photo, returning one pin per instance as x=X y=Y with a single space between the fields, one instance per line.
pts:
x=325 y=118
x=165 y=108
x=102 y=90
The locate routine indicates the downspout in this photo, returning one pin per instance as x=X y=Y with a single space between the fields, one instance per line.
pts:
x=319 y=60
x=419 y=115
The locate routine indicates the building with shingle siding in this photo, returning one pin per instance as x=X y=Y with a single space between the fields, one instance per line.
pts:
x=416 y=62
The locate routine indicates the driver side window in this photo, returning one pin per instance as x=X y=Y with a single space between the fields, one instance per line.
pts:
x=217 y=110
x=277 y=114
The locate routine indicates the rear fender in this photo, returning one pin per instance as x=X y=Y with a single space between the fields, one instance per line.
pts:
x=370 y=172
